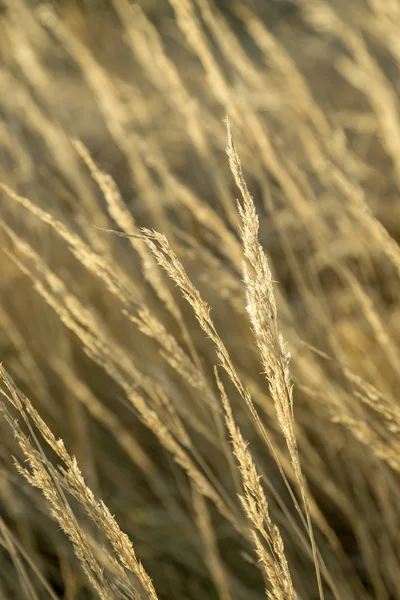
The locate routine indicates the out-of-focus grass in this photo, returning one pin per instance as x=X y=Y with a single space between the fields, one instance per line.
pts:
x=227 y=378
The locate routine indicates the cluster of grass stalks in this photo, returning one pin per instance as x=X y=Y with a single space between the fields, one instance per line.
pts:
x=199 y=317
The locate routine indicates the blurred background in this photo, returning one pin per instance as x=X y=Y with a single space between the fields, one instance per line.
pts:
x=112 y=116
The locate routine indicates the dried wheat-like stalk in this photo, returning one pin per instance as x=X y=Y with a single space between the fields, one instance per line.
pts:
x=270 y=552
x=124 y=219
x=49 y=479
x=167 y=258
x=262 y=311
x=170 y=432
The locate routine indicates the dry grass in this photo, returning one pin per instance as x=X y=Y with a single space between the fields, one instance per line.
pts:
x=204 y=405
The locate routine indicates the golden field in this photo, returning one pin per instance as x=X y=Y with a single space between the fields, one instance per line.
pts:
x=199 y=284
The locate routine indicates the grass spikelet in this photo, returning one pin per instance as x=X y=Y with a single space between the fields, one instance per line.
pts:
x=41 y=474
x=255 y=506
x=262 y=311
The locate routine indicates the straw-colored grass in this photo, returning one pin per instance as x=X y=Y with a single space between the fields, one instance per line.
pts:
x=199 y=318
